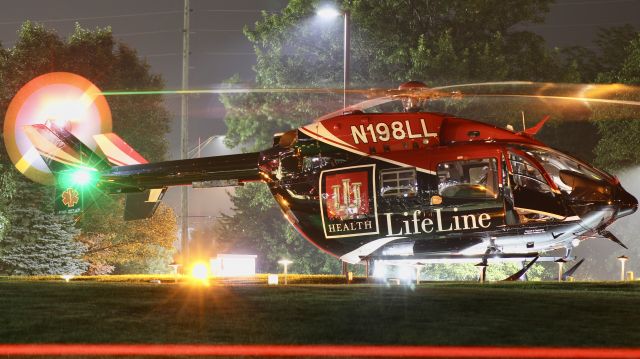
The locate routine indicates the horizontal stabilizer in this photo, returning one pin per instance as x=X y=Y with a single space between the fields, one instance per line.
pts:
x=142 y=205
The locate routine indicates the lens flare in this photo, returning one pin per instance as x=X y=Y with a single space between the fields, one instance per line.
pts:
x=200 y=273
x=65 y=99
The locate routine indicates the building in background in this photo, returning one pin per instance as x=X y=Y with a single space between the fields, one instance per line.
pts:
x=234 y=265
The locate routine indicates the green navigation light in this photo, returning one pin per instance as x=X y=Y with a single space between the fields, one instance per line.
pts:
x=79 y=177
x=82 y=177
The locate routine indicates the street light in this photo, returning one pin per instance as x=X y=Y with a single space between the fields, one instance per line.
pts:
x=285 y=263
x=330 y=12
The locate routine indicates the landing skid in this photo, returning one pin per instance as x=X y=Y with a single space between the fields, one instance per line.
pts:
x=454 y=259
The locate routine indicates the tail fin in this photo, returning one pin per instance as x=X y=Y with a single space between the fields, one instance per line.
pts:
x=138 y=205
x=61 y=150
x=77 y=169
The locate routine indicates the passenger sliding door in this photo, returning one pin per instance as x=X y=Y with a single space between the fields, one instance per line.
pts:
x=469 y=195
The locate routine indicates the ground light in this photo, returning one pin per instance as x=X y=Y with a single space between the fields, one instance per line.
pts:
x=560 y=262
x=623 y=259
x=174 y=270
x=200 y=273
x=67 y=277
x=285 y=263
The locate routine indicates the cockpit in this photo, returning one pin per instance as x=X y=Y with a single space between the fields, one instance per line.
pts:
x=546 y=184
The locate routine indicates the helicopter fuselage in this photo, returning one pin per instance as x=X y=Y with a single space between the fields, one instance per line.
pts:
x=428 y=187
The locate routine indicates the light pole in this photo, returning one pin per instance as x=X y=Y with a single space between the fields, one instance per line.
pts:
x=329 y=12
x=285 y=263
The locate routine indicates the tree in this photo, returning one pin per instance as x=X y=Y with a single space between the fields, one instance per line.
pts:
x=141 y=121
x=440 y=42
x=39 y=242
x=142 y=245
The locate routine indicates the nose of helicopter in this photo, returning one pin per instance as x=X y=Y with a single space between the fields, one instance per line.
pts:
x=627 y=203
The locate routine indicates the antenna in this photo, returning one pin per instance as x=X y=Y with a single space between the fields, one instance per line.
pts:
x=524 y=125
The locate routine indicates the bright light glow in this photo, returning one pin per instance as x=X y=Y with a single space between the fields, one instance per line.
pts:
x=285 y=262
x=406 y=273
x=64 y=99
x=379 y=270
x=328 y=12
x=82 y=177
x=200 y=272
x=67 y=277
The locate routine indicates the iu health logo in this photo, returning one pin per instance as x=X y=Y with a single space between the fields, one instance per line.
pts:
x=348 y=201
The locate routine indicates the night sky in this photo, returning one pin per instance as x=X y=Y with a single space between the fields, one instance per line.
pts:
x=220 y=50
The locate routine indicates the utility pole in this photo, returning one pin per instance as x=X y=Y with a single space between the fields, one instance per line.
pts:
x=346 y=58
x=184 y=136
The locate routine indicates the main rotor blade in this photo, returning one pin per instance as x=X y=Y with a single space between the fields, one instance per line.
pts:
x=221 y=91
x=477 y=84
x=569 y=98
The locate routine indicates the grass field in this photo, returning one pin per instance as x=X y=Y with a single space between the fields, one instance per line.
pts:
x=549 y=314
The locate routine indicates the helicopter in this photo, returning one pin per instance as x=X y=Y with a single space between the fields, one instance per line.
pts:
x=377 y=182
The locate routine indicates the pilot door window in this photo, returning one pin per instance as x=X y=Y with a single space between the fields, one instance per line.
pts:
x=468 y=179
x=534 y=201
x=399 y=182
x=526 y=175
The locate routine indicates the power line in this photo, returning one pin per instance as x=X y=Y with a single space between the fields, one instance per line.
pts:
x=96 y=17
x=229 y=10
x=142 y=33
x=591 y=2
x=216 y=53
x=594 y=24
x=215 y=30
x=165 y=54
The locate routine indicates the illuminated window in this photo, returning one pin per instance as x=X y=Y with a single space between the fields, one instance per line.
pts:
x=474 y=179
x=399 y=182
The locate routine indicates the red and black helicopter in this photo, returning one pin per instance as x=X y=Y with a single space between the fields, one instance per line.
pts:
x=381 y=182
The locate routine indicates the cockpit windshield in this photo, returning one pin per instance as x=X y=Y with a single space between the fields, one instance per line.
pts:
x=553 y=162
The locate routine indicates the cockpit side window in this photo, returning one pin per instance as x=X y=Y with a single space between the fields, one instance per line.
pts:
x=554 y=162
x=527 y=175
x=468 y=179
x=399 y=182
